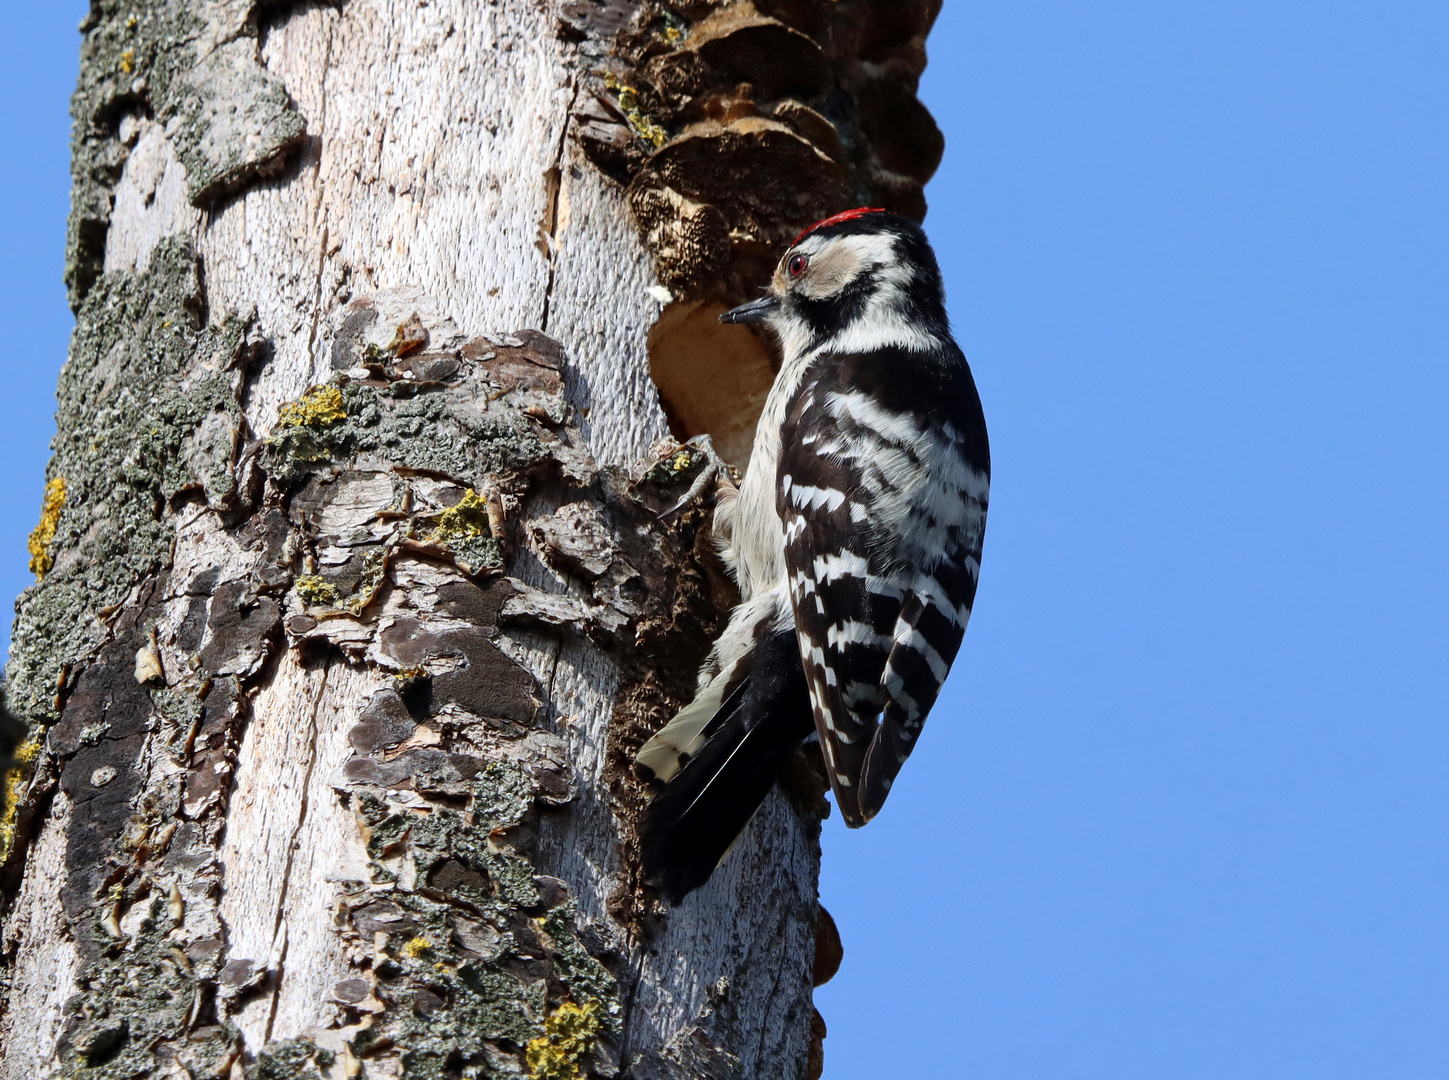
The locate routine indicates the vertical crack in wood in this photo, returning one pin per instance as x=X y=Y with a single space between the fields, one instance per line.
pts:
x=323 y=224
x=550 y=235
x=636 y=972
x=554 y=658
x=765 y=1012
x=279 y=928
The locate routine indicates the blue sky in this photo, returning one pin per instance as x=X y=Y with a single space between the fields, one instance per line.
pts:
x=1184 y=809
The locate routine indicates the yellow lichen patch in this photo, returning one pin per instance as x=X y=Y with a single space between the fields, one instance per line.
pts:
x=41 y=560
x=670 y=468
x=469 y=530
x=320 y=407
x=645 y=128
x=569 y=1035
x=315 y=590
x=467 y=518
x=128 y=61
x=416 y=947
x=15 y=777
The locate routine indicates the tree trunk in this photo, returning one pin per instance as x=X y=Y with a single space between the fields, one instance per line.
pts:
x=354 y=599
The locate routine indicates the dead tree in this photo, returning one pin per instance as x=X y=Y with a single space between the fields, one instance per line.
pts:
x=354 y=599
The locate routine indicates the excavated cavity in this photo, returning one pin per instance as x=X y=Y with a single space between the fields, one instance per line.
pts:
x=731 y=126
x=712 y=378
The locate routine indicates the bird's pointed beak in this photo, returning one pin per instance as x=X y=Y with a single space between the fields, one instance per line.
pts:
x=755 y=311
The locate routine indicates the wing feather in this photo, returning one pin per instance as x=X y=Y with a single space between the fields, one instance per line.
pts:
x=883 y=517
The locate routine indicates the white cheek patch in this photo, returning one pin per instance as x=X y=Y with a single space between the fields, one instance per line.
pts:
x=795 y=334
x=830 y=272
x=836 y=262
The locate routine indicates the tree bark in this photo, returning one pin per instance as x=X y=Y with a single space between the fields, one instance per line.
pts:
x=354 y=597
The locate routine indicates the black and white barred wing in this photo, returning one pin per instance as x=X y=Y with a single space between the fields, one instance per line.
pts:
x=843 y=617
x=884 y=513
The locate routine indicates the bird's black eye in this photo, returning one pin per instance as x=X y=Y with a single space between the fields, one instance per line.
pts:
x=797 y=264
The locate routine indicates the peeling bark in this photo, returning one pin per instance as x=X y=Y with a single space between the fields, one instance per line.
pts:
x=355 y=598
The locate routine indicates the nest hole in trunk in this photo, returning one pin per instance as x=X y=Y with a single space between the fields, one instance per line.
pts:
x=712 y=378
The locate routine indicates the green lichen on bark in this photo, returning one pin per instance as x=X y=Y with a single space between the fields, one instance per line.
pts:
x=314 y=590
x=137 y=996
x=228 y=120
x=467 y=519
x=147 y=410
x=586 y=977
x=416 y=436
x=488 y=955
x=422 y=431
x=295 y=1059
x=320 y=408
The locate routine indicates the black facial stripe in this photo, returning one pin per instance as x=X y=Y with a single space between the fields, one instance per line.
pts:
x=921 y=303
x=830 y=316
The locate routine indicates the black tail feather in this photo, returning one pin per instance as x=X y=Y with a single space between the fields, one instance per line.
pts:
x=693 y=822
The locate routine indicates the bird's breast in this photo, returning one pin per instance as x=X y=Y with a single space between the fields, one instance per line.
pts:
x=759 y=537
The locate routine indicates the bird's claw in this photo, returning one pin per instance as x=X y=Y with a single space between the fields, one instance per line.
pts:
x=714 y=469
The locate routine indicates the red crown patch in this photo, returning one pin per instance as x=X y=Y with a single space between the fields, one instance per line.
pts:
x=836 y=219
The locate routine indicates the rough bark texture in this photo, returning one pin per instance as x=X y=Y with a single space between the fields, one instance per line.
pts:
x=354 y=598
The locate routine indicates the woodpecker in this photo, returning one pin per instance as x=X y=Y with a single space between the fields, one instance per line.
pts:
x=855 y=538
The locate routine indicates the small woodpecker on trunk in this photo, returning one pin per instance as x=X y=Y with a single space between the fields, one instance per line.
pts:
x=855 y=537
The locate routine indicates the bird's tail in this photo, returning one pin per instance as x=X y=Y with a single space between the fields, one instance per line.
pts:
x=694 y=821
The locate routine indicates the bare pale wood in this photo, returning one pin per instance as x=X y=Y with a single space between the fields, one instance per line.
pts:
x=435 y=166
